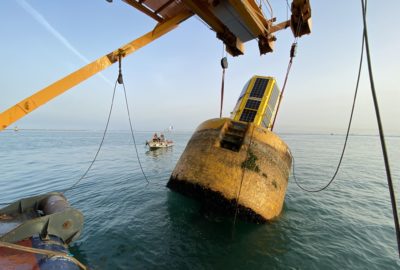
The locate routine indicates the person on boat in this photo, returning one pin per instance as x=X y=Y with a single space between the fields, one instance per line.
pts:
x=162 y=138
x=155 y=137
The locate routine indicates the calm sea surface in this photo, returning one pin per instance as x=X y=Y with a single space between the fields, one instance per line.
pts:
x=131 y=225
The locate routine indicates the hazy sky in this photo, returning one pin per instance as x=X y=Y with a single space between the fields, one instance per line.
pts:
x=176 y=80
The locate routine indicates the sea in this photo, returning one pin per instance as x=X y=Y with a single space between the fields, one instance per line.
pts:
x=132 y=224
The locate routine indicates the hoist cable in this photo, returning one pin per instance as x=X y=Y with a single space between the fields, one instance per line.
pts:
x=293 y=50
x=133 y=135
x=242 y=179
x=101 y=143
x=224 y=65
x=118 y=81
x=271 y=11
x=287 y=9
x=222 y=92
x=347 y=132
x=381 y=134
x=121 y=81
x=284 y=83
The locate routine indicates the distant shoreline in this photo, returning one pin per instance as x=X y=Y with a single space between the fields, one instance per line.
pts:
x=183 y=130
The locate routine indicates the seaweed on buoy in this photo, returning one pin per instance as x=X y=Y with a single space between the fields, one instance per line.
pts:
x=250 y=163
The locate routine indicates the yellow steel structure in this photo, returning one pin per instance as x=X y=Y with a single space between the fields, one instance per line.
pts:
x=41 y=97
x=248 y=12
x=257 y=102
x=169 y=14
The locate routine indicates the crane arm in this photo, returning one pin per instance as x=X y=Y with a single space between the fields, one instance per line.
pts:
x=50 y=92
x=234 y=22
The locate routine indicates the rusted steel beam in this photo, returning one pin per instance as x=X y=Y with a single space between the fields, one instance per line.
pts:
x=145 y=10
x=279 y=26
x=164 y=6
x=249 y=16
x=233 y=44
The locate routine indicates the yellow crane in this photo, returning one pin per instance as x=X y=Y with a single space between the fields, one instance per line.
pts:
x=235 y=22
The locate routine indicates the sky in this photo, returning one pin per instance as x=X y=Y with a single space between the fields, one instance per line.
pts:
x=176 y=79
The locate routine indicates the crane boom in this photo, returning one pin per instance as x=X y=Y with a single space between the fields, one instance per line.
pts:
x=50 y=92
x=234 y=22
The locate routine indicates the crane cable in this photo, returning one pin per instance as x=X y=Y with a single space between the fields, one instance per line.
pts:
x=121 y=81
x=292 y=54
x=224 y=65
x=100 y=145
x=381 y=134
x=242 y=179
x=347 y=133
x=118 y=81
x=379 y=122
x=293 y=50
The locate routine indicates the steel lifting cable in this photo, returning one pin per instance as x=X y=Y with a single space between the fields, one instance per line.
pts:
x=101 y=143
x=381 y=134
x=271 y=11
x=224 y=65
x=98 y=149
x=287 y=9
x=293 y=49
x=292 y=55
x=347 y=132
x=241 y=180
x=118 y=81
x=379 y=122
x=121 y=81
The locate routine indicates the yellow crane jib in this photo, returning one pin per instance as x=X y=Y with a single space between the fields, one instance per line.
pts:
x=48 y=93
x=234 y=22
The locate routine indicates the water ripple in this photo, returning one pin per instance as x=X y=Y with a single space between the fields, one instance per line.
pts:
x=129 y=224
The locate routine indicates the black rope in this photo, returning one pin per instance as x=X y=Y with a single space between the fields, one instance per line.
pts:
x=224 y=66
x=133 y=136
x=292 y=55
x=241 y=181
x=121 y=81
x=347 y=132
x=381 y=134
x=287 y=9
x=101 y=143
x=293 y=50
x=118 y=81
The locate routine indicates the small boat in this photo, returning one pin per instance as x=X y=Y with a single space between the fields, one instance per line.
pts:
x=35 y=233
x=159 y=142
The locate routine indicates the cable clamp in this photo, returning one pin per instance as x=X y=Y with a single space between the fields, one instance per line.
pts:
x=120 y=79
x=293 y=50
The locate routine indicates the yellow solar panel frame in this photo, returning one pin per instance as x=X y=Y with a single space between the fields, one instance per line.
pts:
x=264 y=100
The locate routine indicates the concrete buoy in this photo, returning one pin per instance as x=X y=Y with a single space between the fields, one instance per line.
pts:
x=238 y=163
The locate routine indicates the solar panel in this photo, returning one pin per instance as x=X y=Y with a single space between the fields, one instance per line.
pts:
x=252 y=104
x=259 y=88
x=248 y=115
